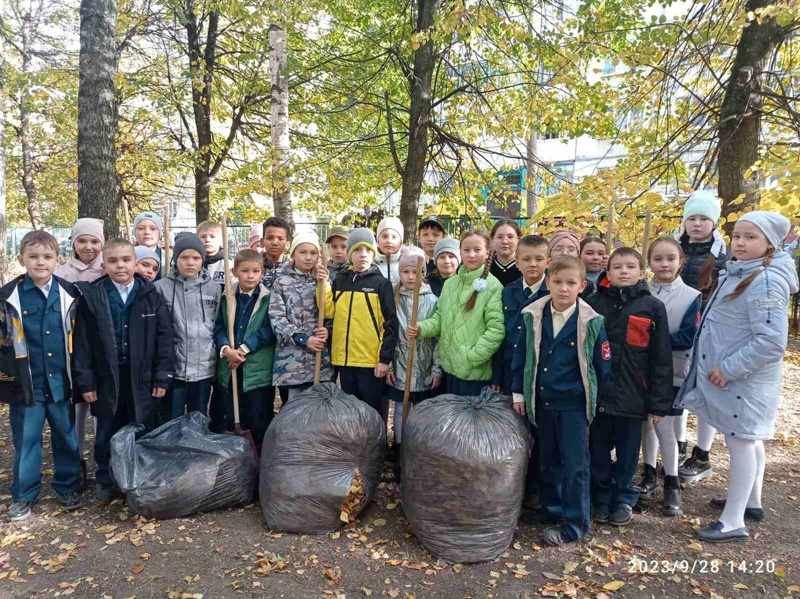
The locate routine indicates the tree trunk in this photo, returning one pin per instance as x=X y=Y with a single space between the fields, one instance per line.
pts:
x=531 y=201
x=740 y=114
x=97 y=196
x=28 y=178
x=202 y=193
x=3 y=221
x=420 y=83
x=279 y=123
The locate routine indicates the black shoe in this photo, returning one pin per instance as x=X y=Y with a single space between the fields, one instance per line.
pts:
x=696 y=467
x=104 y=493
x=620 y=515
x=69 y=501
x=713 y=534
x=672 y=496
x=557 y=535
x=531 y=502
x=756 y=514
x=84 y=476
x=682 y=446
x=19 y=510
x=648 y=482
x=601 y=513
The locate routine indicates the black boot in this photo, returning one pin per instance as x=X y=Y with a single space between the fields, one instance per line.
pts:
x=672 y=496
x=397 y=466
x=648 y=482
x=696 y=467
x=682 y=446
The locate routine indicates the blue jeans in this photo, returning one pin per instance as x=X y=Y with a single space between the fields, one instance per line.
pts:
x=189 y=397
x=624 y=435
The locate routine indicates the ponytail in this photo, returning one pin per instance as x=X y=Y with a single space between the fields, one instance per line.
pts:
x=473 y=298
x=705 y=279
x=742 y=286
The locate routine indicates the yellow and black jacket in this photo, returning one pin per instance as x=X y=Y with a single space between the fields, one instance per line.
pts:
x=361 y=305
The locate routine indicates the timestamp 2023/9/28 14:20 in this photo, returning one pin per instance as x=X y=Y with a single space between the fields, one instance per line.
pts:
x=700 y=566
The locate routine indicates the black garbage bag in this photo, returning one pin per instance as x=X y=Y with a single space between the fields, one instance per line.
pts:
x=464 y=464
x=321 y=461
x=182 y=468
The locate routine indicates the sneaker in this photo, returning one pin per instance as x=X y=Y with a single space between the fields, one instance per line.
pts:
x=600 y=513
x=713 y=534
x=696 y=467
x=671 y=505
x=620 y=515
x=682 y=446
x=69 y=501
x=557 y=535
x=104 y=493
x=19 y=510
x=648 y=482
x=756 y=514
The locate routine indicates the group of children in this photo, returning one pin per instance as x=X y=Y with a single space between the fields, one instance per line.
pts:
x=600 y=361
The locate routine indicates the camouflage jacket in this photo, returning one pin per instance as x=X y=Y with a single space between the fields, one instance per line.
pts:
x=293 y=314
x=335 y=269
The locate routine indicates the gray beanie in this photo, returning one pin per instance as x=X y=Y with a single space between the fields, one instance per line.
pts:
x=773 y=225
x=149 y=216
x=358 y=237
x=449 y=245
x=187 y=241
x=145 y=253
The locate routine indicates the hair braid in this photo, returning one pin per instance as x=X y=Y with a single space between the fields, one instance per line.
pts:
x=742 y=286
x=474 y=297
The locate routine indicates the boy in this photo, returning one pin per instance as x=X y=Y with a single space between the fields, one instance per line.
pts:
x=361 y=303
x=641 y=350
x=36 y=315
x=253 y=348
x=390 y=242
x=148 y=227
x=337 y=251
x=277 y=236
x=147 y=263
x=192 y=299
x=123 y=353
x=429 y=232
x=210 y=233
x=561 y=364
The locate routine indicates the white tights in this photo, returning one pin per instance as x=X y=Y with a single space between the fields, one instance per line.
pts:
x=663 y=435
x=745 y=480
x=705 y=435
x=679 y=426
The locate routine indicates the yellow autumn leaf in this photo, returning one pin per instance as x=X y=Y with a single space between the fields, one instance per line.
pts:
x=614 y=585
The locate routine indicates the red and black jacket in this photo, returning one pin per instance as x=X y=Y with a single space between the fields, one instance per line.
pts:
x=641 y=351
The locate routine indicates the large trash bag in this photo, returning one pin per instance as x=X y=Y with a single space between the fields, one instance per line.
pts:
x=182 y=468
x=464 y=464
x=321 y=461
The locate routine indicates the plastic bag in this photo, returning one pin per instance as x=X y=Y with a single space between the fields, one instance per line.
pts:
x=182 y=468
x=321 y=461
x=464 y=465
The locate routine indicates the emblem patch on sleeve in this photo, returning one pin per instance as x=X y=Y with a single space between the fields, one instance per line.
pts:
x=606 y=350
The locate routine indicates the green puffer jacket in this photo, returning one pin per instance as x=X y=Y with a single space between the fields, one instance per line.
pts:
x=467 y=340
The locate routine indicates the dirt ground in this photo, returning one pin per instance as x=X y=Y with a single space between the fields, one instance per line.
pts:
x=104 y=552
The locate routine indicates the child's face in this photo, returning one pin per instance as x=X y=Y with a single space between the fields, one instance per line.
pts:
x=305 y=257
x=88 y=248
x=275 y=242
x=564 y=247
x=212 y=240
x=665 y=261
x=428 y=236
x=408 y=277
x=148 y=268
x=147 y=234
x=532 y=262
x=446 y=264
x=120 y=264
x=337 y=249
x=699 y=228
x=624 y=271
x=249 y=274
x=594 y=256
x=505 y=242
x=389 y=242
x=474 y=252
x=362 y=258
x=189 y=263
x=565 y=286
x=748 y=241
x=39 y=261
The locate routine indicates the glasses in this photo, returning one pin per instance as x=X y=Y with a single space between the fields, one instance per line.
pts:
x=565 y=251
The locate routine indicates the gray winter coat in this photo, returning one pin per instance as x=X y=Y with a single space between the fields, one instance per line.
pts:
x=426 y=352
x=746 y=337
x=193 y=306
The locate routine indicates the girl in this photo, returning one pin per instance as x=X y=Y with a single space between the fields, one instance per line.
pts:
x=505 y=237
x=594 y=256
x=446 y=260
x=665 y=257
x=705 y=256
x=734 y=380
x=468 y=319
x=390 y=242
x=86 y=264
x=426 y=375
x=147 y=230
x=147 y=263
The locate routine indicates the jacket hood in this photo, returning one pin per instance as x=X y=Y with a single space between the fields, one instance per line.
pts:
x=656 y=287
x=97 y=263
x=202 y=278
x=372 y=270
x=782 y=265
x=391 y=258
x=585 y=312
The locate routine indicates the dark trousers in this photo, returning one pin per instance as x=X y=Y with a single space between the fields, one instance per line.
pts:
x=216 y=408
x=534 y=474
x=564 y=461
x=457 y=386
x=187 y=397
x=624 y=435
x=256 y=410
x=27 y=423
x=363 y=384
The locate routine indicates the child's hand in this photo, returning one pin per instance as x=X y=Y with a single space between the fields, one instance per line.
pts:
x=158 y=392
x=519 y=407
x=436 y=382
x=497 y=389
x=315 y=344
x=391 y=377
x=655 y=419
x=412 y=331
x=321 y=273
x=381 y=370
x=90 y=396
x=715 y=376
x=321 y=333
x=235 y=357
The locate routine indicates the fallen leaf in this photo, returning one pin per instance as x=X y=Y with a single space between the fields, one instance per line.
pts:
x=614 y=585
x=138 y=569
x=457 y=568
x=780 y=572
x=145 y=556
x=335 y=535
x=569 y=567
x=550 y=576
x=517 y=546
x=695 y=545
x=740 y=586
x=333 y=574
x=106 y=528
x=391 y=506
x=494 y=574
x=366 y=591
x=379 y=522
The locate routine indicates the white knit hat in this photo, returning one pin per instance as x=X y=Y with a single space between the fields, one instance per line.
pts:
x=304 y=237
x=702 y=203
x=773 y=225
x=391 y=222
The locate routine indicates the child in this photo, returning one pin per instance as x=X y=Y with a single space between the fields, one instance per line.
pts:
x=293 y=313
x=447 y=259
x=337 y=251
x=124 y=356
x=361 y=304
x=706 y=254
x=147 y=263
x=277 y=235
x=86 y=264
x=254 y=241
x=253 y=348
x=565 y=243
x=468 y=319
x=426 y=372
x=561 y=366
x=390 y=242
x=683 y=314
x=148 y=227
x=192 y=300
x=638 y=330
x=37 y=310
x=734 y=380
x=505 y=236
x=429 y=233
x=210 y=233
x=594 y=256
